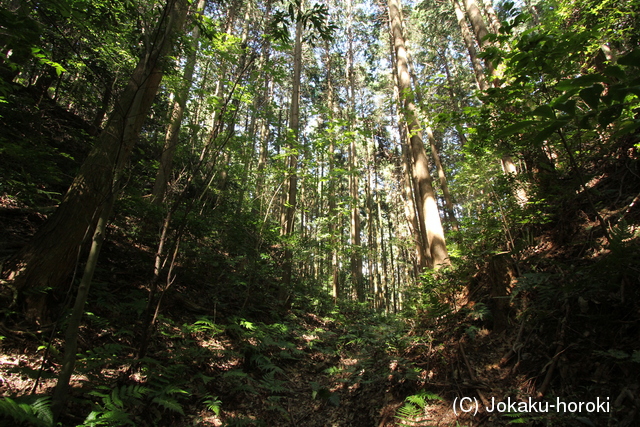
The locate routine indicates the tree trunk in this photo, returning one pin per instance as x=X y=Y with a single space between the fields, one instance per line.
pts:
x=332 y=187
x=423 y=259
x=61 y=391
x=292 y=163
x=478 y=70
x=356 y=250
x=429 y=207
x=443 y=181
x=411 y=197
x=481 y=32
x=356 y=254
x=492 y=17
x=49 y=258
x=477 y=22
x=173 y=130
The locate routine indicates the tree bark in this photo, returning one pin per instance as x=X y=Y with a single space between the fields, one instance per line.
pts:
x=335 y=289
x=173 y=130
x=478 y=69
x=50 y=257
x=492 y=17
x=292 y=162
x=61 y=390
x=429 y=207
x=356 y=243
x=477 y=22
x=448 y=201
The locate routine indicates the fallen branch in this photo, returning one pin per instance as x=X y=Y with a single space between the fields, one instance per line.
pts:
x=472 y=376
x=514 y=348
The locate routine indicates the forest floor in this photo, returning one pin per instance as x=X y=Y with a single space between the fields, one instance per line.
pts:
x=206 y=365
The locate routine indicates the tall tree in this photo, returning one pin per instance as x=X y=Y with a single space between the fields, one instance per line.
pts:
x=354 y=184
x=428 y=205
x=467 y=37
x=177 y=113
x=316 y=18
x=442 y=178
x=50 y=256
x=289 y=211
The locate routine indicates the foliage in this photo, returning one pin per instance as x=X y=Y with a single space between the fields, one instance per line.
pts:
x=410 y=413
x=224 y=340
x=33 y=410
x=316 y=18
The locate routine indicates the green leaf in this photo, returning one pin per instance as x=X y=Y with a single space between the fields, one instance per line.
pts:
x=36 y=52
x=568 y=107
x=632 y=58
x=591 y=95
x=544 y=111
x=115 y=398
x=617 y=93
x=627 y=127
x=609 y=115
x=517 y=127
x=614 y=71
x=585 y=121
x=582 y=81
x=169 y=403
x=549 y=130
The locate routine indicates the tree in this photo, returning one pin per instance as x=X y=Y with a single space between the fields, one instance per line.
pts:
x=50 y=256
x=177 y=113
x=314 y=17
x=427 y=201
x=471 y=49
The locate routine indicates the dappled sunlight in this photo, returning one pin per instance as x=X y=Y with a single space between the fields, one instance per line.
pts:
x=319 y=214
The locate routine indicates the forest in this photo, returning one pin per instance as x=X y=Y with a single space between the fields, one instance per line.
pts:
x=345 y=213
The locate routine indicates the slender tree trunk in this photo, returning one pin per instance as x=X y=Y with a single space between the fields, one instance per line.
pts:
x=370 y=221
x=454 y=100
x=50 y=256
x=382 y=255
x=492 y=17
x=477 y=22
x=356 y=243
x=264 y=127
x=392 y=306
x=429 y=207
x=412 y=199
x=104 y=105
x=332 y=185
x=443 y=180
x=173 y=130
x=481 y=32
x=422 y=256
x=292 y=164
x=61 y=390
x=478 y=69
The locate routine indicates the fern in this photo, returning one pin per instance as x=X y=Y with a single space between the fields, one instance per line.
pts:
x=116 y=405
x=273 y=385
x=213 y=404
x=412 y=411
x=168 y=403
x=29 y=410
x=204 y=324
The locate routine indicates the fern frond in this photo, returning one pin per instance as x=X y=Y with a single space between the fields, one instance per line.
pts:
x=33 y=410
x=168 y=403
x=411 y=412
